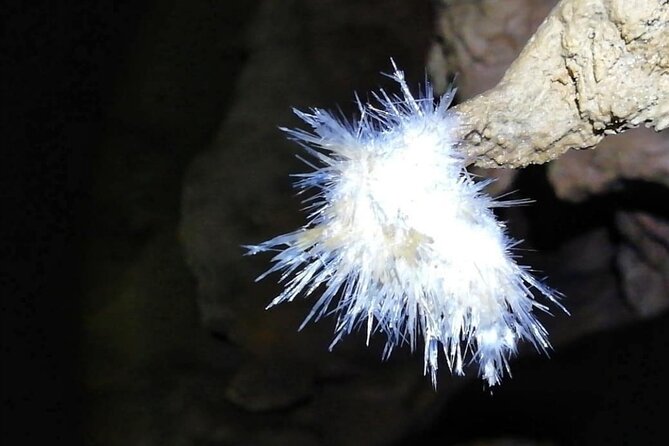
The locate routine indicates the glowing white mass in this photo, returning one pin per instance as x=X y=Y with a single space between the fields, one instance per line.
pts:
x=401 y=239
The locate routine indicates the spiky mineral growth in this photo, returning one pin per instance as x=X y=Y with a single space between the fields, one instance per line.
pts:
x=401 y=237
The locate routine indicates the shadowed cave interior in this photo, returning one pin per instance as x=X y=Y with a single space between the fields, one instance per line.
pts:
x=159 y=156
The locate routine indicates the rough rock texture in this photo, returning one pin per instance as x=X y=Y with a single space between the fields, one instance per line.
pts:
x=475 y=44
x=594 y=67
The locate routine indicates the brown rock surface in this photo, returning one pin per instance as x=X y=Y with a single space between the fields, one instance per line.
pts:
x=594 y=67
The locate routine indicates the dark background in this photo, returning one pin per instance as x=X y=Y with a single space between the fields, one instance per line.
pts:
x=66 y=69
x=59 y=64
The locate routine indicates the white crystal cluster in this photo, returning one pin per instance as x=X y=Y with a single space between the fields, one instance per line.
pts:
x=402 y=240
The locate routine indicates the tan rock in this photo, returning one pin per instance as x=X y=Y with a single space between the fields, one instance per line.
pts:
x=594 y=67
